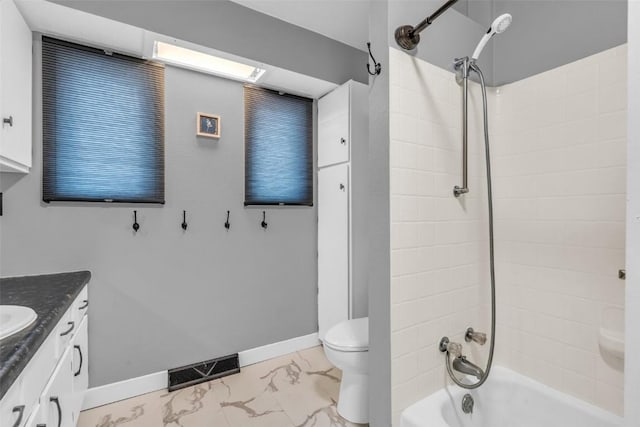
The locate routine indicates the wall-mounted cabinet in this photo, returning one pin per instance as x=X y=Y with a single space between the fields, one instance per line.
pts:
x=15 y=90
x=342 y=191
x=334 y=137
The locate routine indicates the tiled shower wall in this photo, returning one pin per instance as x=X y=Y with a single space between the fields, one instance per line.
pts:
x=559 y=177
x=558 y=143
x=438 y=255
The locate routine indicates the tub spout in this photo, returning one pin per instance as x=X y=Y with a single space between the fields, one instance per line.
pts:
x=461 y=364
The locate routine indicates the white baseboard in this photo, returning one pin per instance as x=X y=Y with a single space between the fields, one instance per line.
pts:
x=269 y=351
x=109 y=393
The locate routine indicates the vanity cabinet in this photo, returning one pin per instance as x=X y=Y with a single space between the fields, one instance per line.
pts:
x=343 y=148
x=15 y=90
x=50 y=389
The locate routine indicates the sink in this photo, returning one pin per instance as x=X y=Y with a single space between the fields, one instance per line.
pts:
x=14 y=318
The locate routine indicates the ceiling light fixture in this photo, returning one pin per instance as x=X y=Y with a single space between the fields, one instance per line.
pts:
x=206 y=63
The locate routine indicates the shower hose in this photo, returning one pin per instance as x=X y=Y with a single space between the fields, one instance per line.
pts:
x=474 y=67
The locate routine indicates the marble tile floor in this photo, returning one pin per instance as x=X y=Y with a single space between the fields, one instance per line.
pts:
x=296 y=390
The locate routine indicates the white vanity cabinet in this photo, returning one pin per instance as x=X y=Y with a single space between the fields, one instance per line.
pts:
x=342 y=191
x=15 y=90
x=50 y=389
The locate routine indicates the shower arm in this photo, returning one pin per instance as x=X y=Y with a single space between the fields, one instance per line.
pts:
x=408 y=37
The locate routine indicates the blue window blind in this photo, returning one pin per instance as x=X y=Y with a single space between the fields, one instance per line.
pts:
x=278 y=148
x=103 y=126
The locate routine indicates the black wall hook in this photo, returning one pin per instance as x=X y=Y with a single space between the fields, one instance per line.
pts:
x=264 y=224
x=136 y=226
x=227 y=224
x=376 y=65
x=184 y=220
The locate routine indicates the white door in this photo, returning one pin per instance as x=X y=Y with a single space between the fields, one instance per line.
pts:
x=333 y=246
x=333 y=127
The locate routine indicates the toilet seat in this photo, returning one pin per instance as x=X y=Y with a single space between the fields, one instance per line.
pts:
x=349 y=335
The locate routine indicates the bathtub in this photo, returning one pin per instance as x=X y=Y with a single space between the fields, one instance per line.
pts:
x=507 y=399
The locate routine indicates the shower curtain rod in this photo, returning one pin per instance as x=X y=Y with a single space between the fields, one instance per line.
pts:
x=429 y=19
x=408 y=37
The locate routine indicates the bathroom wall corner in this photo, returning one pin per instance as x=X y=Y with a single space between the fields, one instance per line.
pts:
x=632 y=350
x=378 y=224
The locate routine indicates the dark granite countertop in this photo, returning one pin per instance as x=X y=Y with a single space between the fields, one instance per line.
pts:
x=50 y=296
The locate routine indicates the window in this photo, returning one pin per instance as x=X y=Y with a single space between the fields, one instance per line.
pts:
x=103 y=126
x=278 y=148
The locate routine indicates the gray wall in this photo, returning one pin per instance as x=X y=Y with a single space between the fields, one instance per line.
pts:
x=547 y=34
x=163 y=298
x=232 y=28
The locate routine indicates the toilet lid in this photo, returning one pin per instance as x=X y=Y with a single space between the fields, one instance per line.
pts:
x=349 y=335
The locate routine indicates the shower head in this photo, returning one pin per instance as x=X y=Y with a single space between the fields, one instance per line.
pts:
x=499 y=25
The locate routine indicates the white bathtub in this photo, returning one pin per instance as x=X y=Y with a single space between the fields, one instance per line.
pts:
x=507 y=399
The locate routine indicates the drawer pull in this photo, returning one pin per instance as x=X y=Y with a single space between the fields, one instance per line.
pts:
x=77 y=347
x=67 y=332
x=57 y=402
x=19 y=409
x=85 y=305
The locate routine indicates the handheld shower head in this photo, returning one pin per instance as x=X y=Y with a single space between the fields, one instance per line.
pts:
x=499 y=25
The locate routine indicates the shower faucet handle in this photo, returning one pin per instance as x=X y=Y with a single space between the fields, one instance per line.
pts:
x=450 y=347
x=477 y=337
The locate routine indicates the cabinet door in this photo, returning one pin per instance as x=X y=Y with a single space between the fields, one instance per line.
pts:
x=333 y=127
x=333 y=246
x=80 y=367
x=15 y=89
x=57 y=400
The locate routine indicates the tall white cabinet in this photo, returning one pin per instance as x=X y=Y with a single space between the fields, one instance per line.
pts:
x=342 y=191
x=15 y=90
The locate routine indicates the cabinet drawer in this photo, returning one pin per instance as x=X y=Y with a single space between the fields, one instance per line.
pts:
x=13 y=410
x=64 y=331
x=38 y=371
x=80 y=306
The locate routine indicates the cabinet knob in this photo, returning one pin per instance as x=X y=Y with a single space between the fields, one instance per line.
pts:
x=8 y=121
x=342 y=187
x=343 y=141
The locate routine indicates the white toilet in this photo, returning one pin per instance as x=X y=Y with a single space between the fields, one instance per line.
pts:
x=347 y=346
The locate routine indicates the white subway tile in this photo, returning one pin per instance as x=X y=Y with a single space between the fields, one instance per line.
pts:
x=558 y=158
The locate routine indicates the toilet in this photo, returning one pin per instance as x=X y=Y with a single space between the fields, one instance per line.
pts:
x=346 y=345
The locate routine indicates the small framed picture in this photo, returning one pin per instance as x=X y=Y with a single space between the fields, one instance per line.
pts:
x=208 y=125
